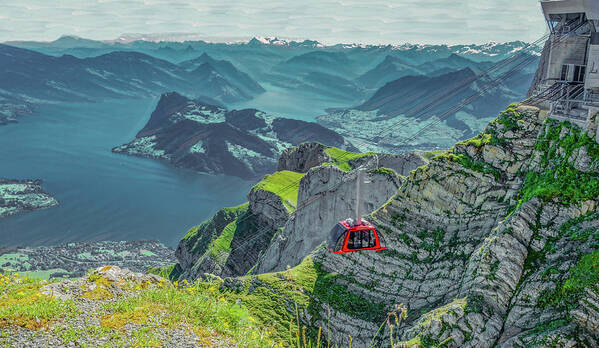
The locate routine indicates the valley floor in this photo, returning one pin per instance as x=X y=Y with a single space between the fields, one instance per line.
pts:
x=74 y=260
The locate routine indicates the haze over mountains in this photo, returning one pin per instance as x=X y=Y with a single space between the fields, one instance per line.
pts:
x=31 y=76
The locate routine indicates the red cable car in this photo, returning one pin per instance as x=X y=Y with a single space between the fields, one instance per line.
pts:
x=346 y=237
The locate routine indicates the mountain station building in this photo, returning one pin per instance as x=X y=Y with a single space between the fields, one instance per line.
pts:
x=567 y=81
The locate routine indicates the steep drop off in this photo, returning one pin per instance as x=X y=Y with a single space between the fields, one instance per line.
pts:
x=290 y=212
x=494 y=243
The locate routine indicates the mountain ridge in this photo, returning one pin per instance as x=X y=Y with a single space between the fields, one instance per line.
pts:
x=29 y=77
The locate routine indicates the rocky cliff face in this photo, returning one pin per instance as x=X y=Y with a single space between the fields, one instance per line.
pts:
x=326 y=196
x=436 y=223
x=230 y=243
x=301 y=158
x=289 y=214
x=212 y=139
x=191 y=250
x=493 y=243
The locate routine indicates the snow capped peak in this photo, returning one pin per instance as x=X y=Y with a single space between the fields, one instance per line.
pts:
x=264 y=40
x=275 y=41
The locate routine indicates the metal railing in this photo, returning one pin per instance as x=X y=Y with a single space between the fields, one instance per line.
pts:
x=568 y=27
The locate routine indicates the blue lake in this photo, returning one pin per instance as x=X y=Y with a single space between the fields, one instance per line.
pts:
x=103 y=196
x=290 y=103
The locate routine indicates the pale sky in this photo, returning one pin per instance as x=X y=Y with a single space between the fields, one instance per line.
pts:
x=328 y=21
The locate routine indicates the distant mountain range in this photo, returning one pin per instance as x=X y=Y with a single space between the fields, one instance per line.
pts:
x=346 y=73
x=212 y=139
x=29 y=76
x=224 y=71
x=491 y=51
x=375 y=83
x=393 y=68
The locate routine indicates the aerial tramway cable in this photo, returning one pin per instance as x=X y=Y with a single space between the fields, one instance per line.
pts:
x=440 y=97
x=492 y=84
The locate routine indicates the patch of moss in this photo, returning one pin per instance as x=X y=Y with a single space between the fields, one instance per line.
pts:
x=439 y=312
x=384 y=171
x=493 y=271
x=222 y=244
x=469 y=163
x=510 y=118
x=548 y=326
x=428 y=155
x=172 y=272
x=558 y=178
x=284 y=184
x=478 y=141
x=100 y=290
x=582 y=276
x=331 y=288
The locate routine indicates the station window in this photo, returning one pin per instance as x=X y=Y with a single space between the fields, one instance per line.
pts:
x=579 y=71
x=565 y=69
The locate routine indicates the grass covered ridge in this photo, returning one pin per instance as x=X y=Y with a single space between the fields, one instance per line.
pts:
x=284 y=184
x=199 y=237
x=341 y=158
x=274 y=298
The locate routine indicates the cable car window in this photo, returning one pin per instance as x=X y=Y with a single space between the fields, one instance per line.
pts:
x=354 y=240
x=368 y=240
x=340 y=242
x=361 y=239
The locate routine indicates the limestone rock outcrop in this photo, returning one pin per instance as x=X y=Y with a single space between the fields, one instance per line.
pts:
x=271 y=232
x=480 y=255
x=326 y=195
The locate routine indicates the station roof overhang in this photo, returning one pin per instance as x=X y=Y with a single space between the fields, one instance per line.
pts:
x=561 y=7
